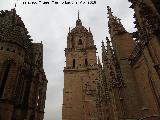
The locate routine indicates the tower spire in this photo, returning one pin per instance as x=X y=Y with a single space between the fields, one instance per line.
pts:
x=78 y=22
x=89 y=29
x=69 y=29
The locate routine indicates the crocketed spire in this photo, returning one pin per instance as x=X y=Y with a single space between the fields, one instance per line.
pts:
x=114 y=23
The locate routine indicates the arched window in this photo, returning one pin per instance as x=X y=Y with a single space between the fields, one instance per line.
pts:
x=73 y=43
x=74 y=63
x=5 y=72
x=80 y=42
x=86 y=62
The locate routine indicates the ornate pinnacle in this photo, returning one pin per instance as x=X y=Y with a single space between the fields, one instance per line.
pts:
x=110 y=13
x=119 y=20
x=114 y=23
x=109 y=49
x=103 y=47
x=108 y=43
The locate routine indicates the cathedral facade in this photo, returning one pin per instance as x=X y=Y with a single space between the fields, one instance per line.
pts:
x=126 y=85
x=129 y=79
x=23 y=83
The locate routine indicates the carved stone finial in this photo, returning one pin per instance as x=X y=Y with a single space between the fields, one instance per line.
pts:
x=109 y=10
x=114 y=23
x=119 y=20
x=110 y=13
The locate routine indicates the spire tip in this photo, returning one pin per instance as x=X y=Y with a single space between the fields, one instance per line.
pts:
x=89 y=29
x=78 y=14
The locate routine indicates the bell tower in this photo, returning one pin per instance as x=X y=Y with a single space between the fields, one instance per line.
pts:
x=80 y=75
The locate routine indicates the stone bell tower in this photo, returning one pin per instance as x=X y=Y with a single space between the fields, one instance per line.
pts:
x=80 y=75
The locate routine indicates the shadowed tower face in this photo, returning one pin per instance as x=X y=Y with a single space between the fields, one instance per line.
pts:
x=80 y=75
x=23 y=82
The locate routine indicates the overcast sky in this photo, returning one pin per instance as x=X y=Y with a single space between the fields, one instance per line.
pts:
x=50 y=24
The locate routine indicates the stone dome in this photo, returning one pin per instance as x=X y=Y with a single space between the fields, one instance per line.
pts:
x=12 y=29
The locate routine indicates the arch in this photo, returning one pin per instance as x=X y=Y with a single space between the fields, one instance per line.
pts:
x=80 y=42
x=4 y=75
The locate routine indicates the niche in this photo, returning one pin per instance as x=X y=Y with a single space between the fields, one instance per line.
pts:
x=80 y=42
